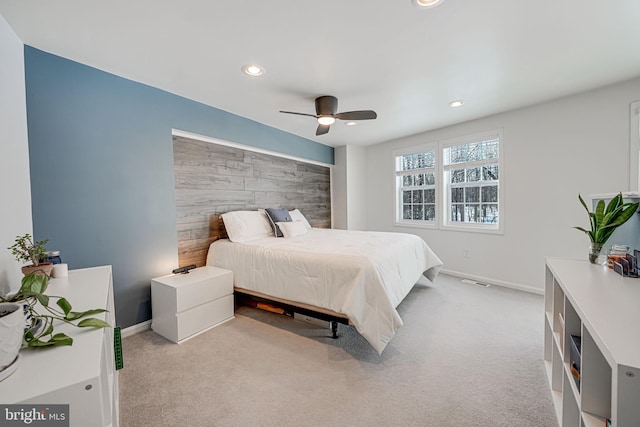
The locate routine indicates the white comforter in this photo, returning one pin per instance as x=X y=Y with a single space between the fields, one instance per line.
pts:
x=362 y=274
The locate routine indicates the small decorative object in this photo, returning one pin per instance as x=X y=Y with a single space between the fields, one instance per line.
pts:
x=616 y=253
x=28 y=249
x=627 y=265
x=604 y=222
x=11 y=330
x=42 y=312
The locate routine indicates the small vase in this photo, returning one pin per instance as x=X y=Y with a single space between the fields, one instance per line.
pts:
x=597 y=254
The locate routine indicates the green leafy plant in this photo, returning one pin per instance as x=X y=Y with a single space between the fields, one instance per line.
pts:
x=605 y=220
x=28 y=249
x=43 y=312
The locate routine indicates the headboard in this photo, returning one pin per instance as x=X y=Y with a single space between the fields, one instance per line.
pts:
x=211 y=179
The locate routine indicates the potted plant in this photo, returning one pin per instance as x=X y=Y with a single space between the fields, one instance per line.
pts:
x=28 y=249
x=604 y=222
x=11 y=331
x=41 y=312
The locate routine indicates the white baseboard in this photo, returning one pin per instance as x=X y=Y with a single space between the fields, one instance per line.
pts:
x=136 y=329
x=502 y=283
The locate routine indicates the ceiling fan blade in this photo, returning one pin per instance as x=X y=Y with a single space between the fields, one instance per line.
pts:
x=357 y=115
x=322 y=129
x=299 y=114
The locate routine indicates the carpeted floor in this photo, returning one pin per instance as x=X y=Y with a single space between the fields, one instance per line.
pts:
x=466 y=356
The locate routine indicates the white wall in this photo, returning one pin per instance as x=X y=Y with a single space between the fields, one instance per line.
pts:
x=349 y=187
x=339 y=188
x=552 y=152
x=15 y=191
x=356 y=187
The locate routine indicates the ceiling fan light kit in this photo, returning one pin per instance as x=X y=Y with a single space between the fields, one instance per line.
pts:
x=426 y=3
x=326 y=114
x=326 y=120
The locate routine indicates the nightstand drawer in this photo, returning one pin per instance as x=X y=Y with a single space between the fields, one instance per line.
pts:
x=214 y=284
x=204 y=316
x=192 y=289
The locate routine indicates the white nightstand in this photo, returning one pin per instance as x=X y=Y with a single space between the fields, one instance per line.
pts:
x=185 y=305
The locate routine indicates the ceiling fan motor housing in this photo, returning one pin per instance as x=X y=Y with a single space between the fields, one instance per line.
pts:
x=326 y=105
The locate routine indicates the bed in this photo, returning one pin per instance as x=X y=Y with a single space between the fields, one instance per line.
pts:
x=355 y=275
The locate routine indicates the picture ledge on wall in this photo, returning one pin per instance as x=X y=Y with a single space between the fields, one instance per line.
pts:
x=191 y=135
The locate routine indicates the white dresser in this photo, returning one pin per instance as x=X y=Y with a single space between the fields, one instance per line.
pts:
x=602 y=309
x=184 y=305
x=82 y=375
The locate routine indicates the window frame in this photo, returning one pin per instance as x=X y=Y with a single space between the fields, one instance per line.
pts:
x=446 y=203
x=442 y=193
x=398 y=217
x=634 y=147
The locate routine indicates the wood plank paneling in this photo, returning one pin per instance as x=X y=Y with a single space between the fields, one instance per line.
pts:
x=211 y=179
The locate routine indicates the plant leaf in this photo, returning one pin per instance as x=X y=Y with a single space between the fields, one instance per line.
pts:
x=33 y=282
x=92 y=322
x=57 y=339
x=43 y=299
x=74 y=315
x=583 y=203
x=64 y=305
x=588 y=232
x=614 y=203
x=599 y=214
x=49 y=329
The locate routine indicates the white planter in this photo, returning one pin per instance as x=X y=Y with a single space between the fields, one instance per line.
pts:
x=12 y=324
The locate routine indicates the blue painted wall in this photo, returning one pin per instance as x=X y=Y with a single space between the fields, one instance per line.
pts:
x=101 y=161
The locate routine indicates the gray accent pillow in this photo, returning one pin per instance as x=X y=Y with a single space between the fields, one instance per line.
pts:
x=277 y=215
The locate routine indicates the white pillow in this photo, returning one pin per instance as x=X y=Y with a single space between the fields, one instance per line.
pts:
x=296 y=215
x=243 y=226
x=292 y=228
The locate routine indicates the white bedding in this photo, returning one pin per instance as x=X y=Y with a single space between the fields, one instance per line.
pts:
x=362 y=274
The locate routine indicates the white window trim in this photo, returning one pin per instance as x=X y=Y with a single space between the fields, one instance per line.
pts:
x=441 y=203
x=634 y=148
x=471 y=227
x=397 y=215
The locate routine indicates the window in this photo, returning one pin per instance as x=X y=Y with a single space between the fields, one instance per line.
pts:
x=416 y=178
x=452 y=184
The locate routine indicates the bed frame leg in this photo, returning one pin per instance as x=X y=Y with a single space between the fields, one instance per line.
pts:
x=334 y=329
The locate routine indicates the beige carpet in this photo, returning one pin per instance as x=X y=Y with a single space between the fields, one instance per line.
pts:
x=466 y=356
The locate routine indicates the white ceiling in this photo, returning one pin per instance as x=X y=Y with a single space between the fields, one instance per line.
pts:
x=405 y=63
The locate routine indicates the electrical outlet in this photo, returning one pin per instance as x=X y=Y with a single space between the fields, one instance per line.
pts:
x=466 y=253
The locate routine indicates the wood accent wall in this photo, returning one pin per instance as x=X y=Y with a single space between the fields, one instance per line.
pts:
x=211 y=179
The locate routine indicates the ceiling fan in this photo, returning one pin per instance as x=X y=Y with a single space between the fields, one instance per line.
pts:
x=326 y=113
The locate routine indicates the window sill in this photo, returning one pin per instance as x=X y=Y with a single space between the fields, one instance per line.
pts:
x=415 y=225
x=459 y=228
x=472 y=229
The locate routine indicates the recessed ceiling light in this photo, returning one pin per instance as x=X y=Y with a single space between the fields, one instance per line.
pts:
x=253 y=70
x=351 y=123
x=426 y=3
x=455 y=104
x=326 y=120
